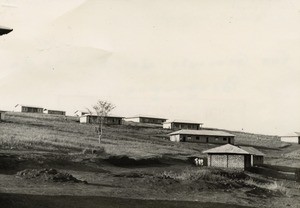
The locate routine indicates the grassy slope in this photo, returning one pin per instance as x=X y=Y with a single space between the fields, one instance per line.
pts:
x=57 y=133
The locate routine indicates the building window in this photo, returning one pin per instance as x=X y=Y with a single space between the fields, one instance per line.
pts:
x=197 y=138
x=224 y=139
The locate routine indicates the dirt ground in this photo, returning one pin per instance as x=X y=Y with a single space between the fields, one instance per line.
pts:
x=109 y=185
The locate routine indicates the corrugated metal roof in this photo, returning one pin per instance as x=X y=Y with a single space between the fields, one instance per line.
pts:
x=227 y=148
x=252 y=151
x=183 y=121
x=202 y=132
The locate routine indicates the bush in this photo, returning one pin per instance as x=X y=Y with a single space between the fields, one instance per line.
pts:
x=98 y=150
x=208 y=174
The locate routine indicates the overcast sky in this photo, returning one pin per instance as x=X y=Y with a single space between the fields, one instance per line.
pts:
x=229 y=64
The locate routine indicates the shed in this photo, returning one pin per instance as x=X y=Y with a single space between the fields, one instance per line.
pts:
x=202 y=136
x=228 y=156
x=182 y=124
x=146 y=119
x=257 y=157
x=28 y=109
x=293 y=137
x=108 y=120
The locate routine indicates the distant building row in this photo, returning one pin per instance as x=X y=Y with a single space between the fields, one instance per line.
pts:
x=85 y=117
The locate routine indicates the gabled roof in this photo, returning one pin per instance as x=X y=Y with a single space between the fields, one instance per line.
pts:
x=227 y=148
x=292 y=134
x=31 y=106
x=183 y=121
x=81 y=111
x=252 y=151
x=146 y=116
x=202 y=132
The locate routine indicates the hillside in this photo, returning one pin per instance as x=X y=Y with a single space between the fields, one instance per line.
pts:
x=45 y=157
x=66 y=134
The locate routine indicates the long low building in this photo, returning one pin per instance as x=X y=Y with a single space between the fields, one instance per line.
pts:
x=182 y=124
x=293 y=137
x=94 y=119
x=202 y=136
x=146 y=119
x=234 y=157
x=28 y=109
x=55 y=112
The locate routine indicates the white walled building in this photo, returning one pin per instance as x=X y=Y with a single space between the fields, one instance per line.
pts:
x=146 y=119
x=28 y=109
x=293 y=137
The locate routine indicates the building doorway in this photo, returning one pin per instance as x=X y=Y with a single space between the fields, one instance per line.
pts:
x=247 y=161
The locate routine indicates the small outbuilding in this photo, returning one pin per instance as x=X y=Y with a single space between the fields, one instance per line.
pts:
x=146 y=119
x=202 y=136
x=55 y=112
x=293 y=137
x=228 y=156
x=28 y=109
x=181 y=124
x=94 y=119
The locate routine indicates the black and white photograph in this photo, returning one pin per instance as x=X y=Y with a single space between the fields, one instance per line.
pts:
x=149 y=103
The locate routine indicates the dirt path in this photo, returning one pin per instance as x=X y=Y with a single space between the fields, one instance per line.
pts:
x=37 y=201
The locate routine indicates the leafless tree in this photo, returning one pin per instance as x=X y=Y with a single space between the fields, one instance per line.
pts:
x=101 y=109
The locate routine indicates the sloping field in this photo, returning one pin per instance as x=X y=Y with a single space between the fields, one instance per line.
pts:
x=66 y=134
x=47 y=132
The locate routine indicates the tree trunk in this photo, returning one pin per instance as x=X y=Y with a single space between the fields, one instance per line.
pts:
x=100 y=131
x=99 y=138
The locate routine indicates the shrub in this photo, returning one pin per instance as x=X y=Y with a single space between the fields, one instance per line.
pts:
x=207 y=174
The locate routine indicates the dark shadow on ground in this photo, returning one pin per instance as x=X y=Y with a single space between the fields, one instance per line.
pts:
x=37 y=201
x=11 y=164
